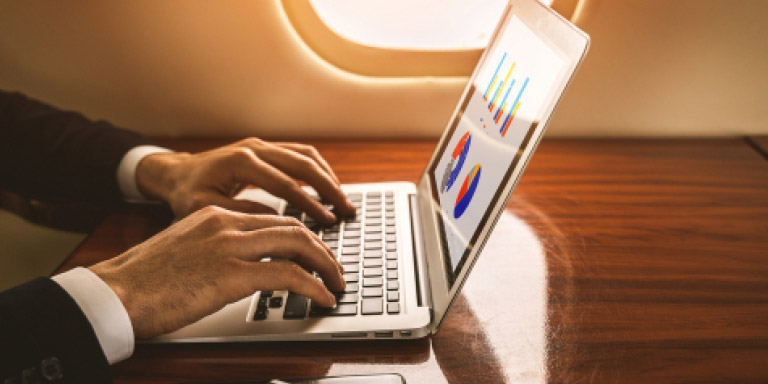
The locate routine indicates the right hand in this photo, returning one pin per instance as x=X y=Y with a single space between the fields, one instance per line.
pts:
x=215 y=257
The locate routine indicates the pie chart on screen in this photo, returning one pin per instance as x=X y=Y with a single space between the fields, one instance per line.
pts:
x=459 y=155
x=467 y=191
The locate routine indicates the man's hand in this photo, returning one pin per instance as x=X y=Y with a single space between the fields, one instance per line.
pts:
x=189 y=182
x=215 y=257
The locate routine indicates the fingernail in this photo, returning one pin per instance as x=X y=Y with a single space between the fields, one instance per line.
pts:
x=330 y=216
x=333 y=300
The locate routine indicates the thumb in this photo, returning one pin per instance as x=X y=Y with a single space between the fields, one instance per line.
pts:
x=244 y=206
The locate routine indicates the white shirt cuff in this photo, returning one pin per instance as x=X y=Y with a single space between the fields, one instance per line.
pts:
x=126 y=171
x=104 y=311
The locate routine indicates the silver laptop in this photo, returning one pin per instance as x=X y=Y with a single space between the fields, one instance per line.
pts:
x=410 y=248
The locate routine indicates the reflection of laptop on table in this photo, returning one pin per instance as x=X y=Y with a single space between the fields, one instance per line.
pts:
x=411 y=247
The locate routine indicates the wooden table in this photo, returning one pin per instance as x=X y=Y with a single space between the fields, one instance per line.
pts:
x=616 y=261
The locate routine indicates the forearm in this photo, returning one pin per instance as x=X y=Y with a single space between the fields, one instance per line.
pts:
x=44 y=150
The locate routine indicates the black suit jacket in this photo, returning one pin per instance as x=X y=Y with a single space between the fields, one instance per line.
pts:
x=45 y=151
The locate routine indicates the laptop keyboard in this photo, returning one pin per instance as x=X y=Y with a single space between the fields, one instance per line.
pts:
x=366 y=245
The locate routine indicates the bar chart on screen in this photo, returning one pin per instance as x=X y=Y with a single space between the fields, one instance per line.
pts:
x=497 y=94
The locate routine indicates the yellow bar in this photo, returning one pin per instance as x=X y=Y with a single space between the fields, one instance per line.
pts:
x=490 y=89
x=501 y=90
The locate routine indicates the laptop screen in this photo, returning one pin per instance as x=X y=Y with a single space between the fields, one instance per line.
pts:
x=487 y=136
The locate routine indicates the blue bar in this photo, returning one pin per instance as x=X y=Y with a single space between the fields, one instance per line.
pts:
x=494 y=95
x=519 y=94
x=504 y=100
x=494 y=75
x=501 y=129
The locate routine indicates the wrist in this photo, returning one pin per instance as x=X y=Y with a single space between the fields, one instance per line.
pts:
x=156 y=176
x=109 y=274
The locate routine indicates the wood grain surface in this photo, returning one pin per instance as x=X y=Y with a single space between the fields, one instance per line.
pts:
x=617 y=261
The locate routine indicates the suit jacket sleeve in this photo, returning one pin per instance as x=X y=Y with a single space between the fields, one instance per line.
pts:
x=46 y=151
x=45 y=337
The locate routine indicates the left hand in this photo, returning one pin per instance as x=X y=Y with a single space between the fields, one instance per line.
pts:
x=188 y=182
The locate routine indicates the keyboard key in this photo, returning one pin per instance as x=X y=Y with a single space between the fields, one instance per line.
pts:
x=391 y=230
x=355 y=196
x=276 y=302
x=260 y=314
x=372 y=263
x=373 y=206
x=391 y=264
x=373 y=245
x=389 y=193
x=351 y=277
x=372 y=306
x=351 y=288
x=330 y=235
x=333 y=244
x=391 y=274
x=266 y=293
x=373 y=282
x=390 y=215
x=373 y=194
x=340 y=310
x=351 y=234
x=373 y=292
x=389 y=207
x=373 y=222
x=373 y=229
x=352 y=268
x=391 y=238
x=349 y=260
x=393 y=296
x=262 y=303
x=373 y=272
x=393 y=307
x=391 y=255
x=373 y=215
x=391 y=246
x=350 y=251
x=373 y=236
x=373 y=254
x=347 y=298
x=393 y=285
x=352 y=226
x=295 y=306
x=390 y=222
x=350 y=242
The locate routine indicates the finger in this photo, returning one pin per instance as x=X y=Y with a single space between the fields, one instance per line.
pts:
x=250 y=169
x=309 y=233
x=311 y=152
x=298 y=245
x=305 y=168
x=284 y=275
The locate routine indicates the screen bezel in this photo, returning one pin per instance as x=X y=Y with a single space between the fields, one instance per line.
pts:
x=571 y=44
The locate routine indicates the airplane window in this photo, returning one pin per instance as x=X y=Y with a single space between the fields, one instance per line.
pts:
x=413 y=24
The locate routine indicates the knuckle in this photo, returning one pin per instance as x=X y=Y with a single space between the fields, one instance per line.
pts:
x=240 y=154
x=291 y=221
x=254 y=141
x=287 y=185
x=215 y=216
x=297 y=232
x=293 y=275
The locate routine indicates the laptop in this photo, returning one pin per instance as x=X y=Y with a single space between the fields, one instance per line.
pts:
x=411 y=247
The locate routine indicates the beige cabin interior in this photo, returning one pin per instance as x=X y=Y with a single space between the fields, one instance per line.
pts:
x=272 y=68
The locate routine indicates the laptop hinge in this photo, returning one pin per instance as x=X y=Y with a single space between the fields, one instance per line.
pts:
x=419 y=258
